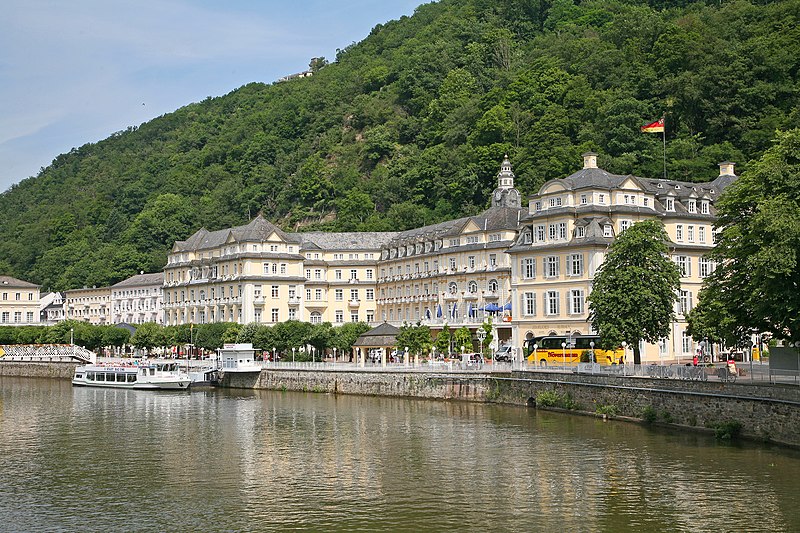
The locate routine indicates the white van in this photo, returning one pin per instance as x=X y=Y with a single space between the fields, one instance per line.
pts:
x=505 y=353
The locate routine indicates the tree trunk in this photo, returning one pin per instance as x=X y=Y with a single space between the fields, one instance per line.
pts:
x=637 y=356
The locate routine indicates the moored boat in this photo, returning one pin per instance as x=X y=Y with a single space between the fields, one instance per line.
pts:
x=161 y=376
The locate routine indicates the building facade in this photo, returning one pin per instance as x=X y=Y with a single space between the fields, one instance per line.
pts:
x=19 y=302
x=565 y=236
x=528 y=269
x=92 y=305
x=138 y=299
x=51 y=308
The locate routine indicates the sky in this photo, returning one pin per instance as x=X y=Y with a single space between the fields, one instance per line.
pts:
x=73 y=72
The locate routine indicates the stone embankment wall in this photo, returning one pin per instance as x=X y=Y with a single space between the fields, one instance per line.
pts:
x=37 y=370
x=766 y=412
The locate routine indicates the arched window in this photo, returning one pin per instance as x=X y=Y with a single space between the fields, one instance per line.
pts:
x=316 y=317
x=452 y=287
x=492 y=285
x=472 y=287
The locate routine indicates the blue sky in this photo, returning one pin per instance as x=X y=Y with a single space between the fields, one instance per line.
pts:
x=73 y=72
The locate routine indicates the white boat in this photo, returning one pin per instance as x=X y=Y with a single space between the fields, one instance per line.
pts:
x=161 y=376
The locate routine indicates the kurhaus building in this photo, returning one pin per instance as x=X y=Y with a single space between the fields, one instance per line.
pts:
x=530 y=269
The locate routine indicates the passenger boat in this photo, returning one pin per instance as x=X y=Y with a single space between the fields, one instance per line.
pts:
x=161 y=376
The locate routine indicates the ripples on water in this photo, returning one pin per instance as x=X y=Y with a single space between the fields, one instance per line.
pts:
x=81 y=459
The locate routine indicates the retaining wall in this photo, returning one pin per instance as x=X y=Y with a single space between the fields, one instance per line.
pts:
x=770 y=413
x=38 y=370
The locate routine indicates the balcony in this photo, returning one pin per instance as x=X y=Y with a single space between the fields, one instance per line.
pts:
x=294 y=301
x=354 y=303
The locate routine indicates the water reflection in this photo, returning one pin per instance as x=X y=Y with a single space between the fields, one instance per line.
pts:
x=258 y=460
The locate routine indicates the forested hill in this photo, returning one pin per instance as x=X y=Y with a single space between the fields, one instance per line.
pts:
x=409 y=126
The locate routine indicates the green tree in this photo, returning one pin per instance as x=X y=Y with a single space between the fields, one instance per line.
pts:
x=757 y=279
x=347 y=334
x=442 y=341
x=148 y=336
x=463 y=337
x=635 y=289
x=417 y=338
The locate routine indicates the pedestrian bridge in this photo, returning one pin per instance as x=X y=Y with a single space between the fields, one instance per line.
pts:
x=46 y=353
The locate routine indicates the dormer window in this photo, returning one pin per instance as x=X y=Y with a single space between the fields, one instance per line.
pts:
x=537 y=206
x=584 y=199
x=580 y=232
x=608 y=231
x=646 y=202
x=691 y=206
x=556 y=202
x=526 y=238
x=601 y=199
x=670 y=204
x=704 y=207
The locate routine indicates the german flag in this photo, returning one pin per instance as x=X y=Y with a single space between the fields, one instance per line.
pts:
x=653 y=127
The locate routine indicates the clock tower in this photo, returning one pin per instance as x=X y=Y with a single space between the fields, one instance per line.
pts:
x=505 y=195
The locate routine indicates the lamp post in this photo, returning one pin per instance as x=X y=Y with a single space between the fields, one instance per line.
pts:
x=564 y=355
x=334 y=356
x=535 y=353
x=274 y=355
x=591 y=345
x=71 y=336
x=624 y=351
x=292 y=354
x=481 y=336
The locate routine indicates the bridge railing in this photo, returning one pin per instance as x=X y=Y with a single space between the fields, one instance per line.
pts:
x=46 y=353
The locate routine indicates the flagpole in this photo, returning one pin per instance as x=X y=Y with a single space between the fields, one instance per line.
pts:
x=664 y=136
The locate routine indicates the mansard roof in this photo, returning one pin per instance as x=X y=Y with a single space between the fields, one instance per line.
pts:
x=343 y=241
x=257 y=229
x=156 y=278
x=492 y=219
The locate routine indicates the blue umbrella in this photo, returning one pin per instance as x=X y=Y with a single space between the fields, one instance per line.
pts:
x=507 y=307
x=492 y=308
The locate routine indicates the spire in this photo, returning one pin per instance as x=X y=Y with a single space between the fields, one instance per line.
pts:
x=505 y=178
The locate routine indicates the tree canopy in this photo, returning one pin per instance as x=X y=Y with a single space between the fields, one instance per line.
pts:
x=408 y=127
x=635 y=289
x=756 y=285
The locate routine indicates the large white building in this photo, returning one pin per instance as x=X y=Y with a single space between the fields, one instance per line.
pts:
x=137 y=299
x=530 y=269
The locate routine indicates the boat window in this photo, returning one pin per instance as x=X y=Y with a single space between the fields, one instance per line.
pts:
x=90 y=376
x=121 y=378
x=101 y=376
x=78 y=376
x=152 y=371
x=131 y=378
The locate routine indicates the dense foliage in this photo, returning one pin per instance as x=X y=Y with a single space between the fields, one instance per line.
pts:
x=409 y=126
x=634 y=292
x=756 y=285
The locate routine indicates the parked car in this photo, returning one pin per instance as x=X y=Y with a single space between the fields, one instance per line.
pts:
x=505 y=353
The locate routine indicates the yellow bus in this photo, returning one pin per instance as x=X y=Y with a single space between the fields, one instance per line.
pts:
x=554 y=350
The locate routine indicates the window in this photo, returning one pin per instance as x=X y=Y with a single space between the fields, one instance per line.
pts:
x=492 y=285
x=274 y=291
x=353 y=274
x=608 y=231
x=551 y=232
x=370 y=316
x=308 y=273
x=471 y=262
x=584 y=199
x=492 y=260
x=701 y=234
x=369 y=273
x=257 y=292
x=679 y=232
x=562 y=230
x=706 y=267
x=292 y=313
x=339 y=317
x=623 y=225
x=556 y=202
x=353 y=316
x=540 y=233
x=704 y=207
x=691 y=206
x=452 y=287
x=337 y=274
x=551 y=299
x=646 y=202
x=473 y=239
x=629 y=199
x=318 y=294
x=601 y=198
x=576 y=301
x=316 y=317
x=528 y=268
x=526 y=237
x=684 y=265
x=580 y=232
x=274 y=315
x=670 y=204
x=529 y=304
x=551 y=266
x=472 y=287
x=452 y=263
x=317 y=273
x=537 y=206
x=686 y=343
x=29 y=317
x=690 y=233
x=354 y=295
x=575 y=265
x=370 y=294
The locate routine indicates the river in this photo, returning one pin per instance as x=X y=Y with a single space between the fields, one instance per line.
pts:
x=84 y=459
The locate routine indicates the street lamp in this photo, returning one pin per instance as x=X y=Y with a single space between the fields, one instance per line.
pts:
x=591 y=345
x=624 y=351
x=292 y=354
x=564 y=355
x=535 y=353
x=71 y=336
x=274 y=355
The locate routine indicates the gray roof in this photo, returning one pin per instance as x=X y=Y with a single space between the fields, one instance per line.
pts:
x=344 y=241
x=494 y=218
x=379 y=336
x=156 y=278
x=258 y=229
x=8 y=281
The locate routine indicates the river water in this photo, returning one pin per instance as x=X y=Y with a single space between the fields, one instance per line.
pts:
x=83 y=459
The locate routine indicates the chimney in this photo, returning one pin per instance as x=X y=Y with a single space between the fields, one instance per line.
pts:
x=590 y=160
x=726 y=168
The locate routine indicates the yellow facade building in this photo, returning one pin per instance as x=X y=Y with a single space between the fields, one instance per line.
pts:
x=19 y=302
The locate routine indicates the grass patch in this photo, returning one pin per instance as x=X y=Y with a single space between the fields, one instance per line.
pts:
x=649 y=415
x=608 y=410
x=729 y=430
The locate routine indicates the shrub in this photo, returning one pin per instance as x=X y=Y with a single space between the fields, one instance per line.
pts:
x=608 y=410
x=649 y=414
x=729 y=430
x=547 y=398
